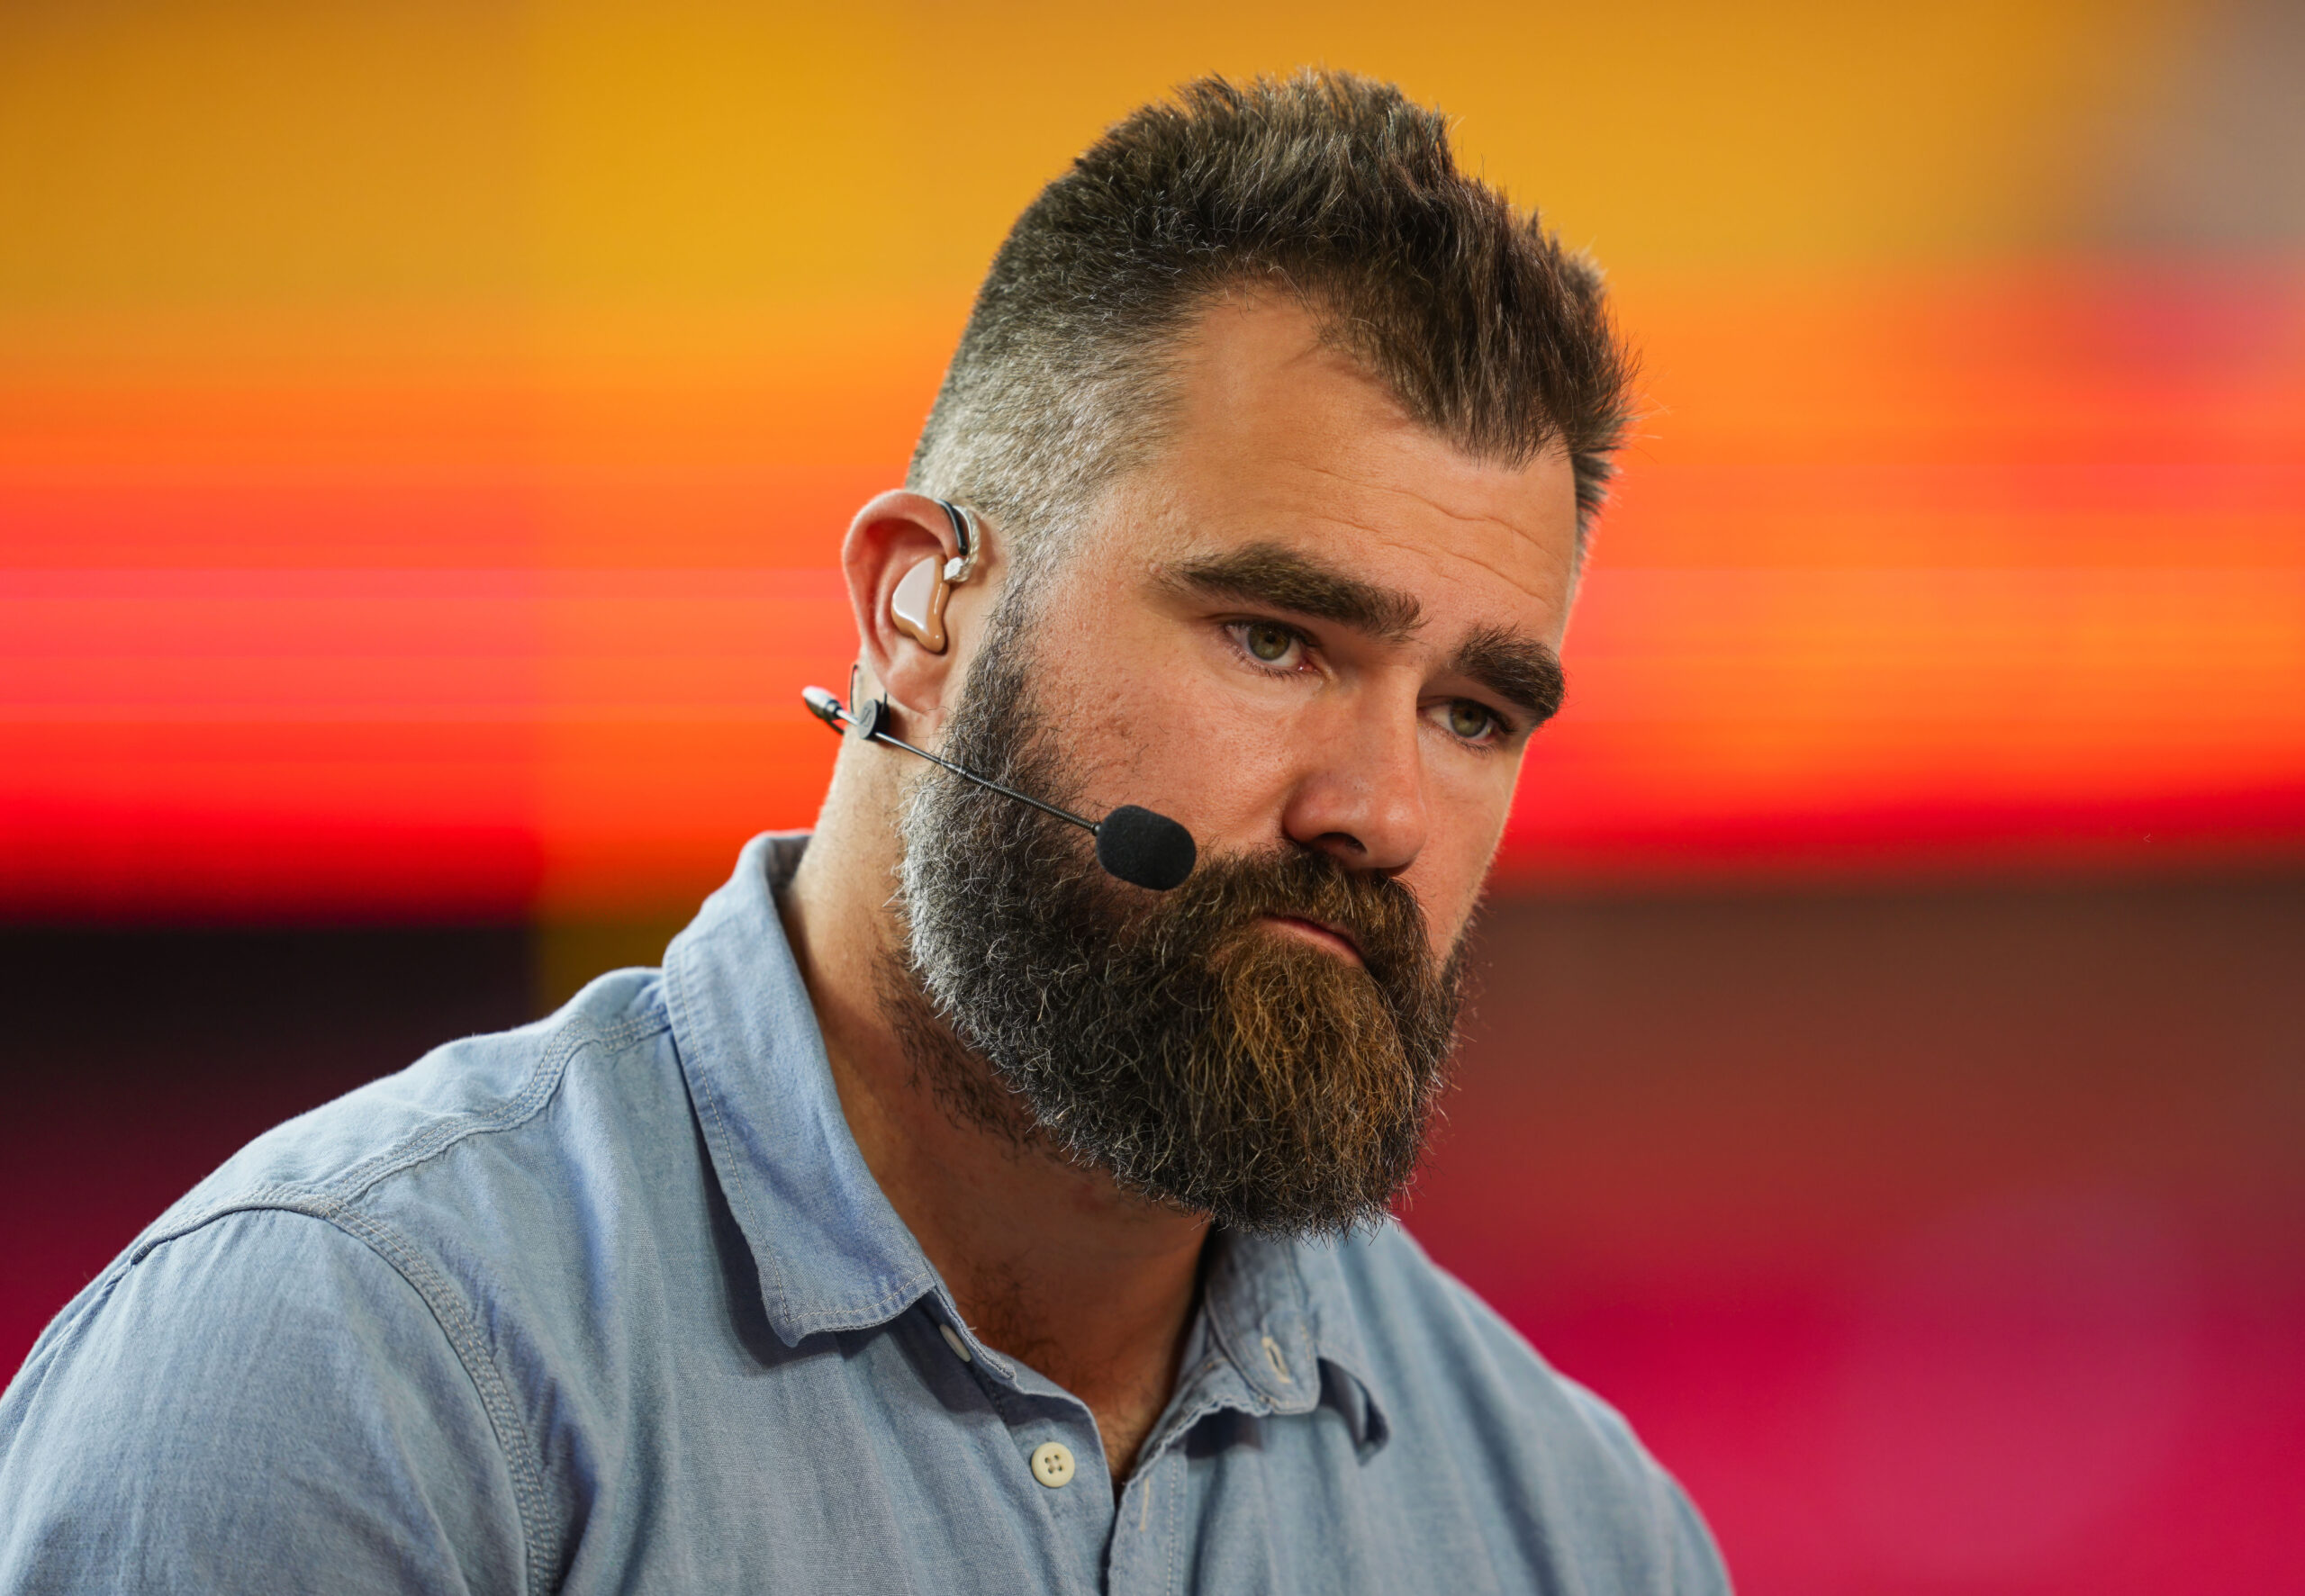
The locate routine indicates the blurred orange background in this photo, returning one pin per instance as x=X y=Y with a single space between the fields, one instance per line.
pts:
x=426 y=431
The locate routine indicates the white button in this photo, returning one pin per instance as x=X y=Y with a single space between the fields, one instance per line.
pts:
x=1053 y=1464
x=953 y=1339
x=1280 y=1363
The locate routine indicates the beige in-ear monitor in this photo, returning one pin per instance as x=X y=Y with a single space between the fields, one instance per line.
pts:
x=917 y=605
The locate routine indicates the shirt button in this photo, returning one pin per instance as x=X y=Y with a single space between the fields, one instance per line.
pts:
x=953 y=1339
x=1053 y=1464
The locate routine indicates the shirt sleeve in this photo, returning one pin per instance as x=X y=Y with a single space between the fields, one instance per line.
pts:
x=1691 y=1560
x=263 y=1405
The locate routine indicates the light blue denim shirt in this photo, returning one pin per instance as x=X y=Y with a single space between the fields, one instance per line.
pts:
x=612 y=1303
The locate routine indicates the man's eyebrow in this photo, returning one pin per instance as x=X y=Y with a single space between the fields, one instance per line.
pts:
x=1267 y=573
x=1520 y=670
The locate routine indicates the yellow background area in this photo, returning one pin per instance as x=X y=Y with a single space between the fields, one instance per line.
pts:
x=624 y=159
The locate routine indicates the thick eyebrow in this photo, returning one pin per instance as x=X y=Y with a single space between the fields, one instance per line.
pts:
x=1520 y=670
x=1267 y=573
x=1523 y=671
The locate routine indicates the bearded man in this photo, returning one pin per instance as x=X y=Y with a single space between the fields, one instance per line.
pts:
x=949 y=1215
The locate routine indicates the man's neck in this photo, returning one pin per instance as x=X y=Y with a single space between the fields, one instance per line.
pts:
x=1048 y=1262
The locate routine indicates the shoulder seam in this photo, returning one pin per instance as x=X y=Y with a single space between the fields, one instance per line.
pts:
x=522 y=1460
x=455 y=1321
x=332 y=1201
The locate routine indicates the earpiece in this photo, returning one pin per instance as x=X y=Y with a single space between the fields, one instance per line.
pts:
x=917 y=605
x=1133 y=843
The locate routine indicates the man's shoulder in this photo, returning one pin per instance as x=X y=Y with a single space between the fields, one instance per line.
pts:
x=1456 y=1378
x=364 y=1299
x=458 y=1172
x=468 y=1111
x=263 y=1358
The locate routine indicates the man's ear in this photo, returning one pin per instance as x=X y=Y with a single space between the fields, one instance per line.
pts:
x=895 y=557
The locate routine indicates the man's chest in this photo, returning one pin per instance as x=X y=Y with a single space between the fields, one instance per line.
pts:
x=880 y=1463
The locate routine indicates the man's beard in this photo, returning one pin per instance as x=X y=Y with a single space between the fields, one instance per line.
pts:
x=1196 y=1054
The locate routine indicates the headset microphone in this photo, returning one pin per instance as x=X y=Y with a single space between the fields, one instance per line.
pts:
x=1135 y=845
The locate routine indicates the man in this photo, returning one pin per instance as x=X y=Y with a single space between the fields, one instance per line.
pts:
x=948 y=1215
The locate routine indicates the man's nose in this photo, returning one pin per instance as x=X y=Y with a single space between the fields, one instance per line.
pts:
x=1360 y=796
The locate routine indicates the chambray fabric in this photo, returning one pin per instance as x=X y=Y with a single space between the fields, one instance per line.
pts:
x=612 y=1303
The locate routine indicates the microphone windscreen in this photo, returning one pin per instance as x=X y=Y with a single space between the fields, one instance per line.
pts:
x=1144 y=849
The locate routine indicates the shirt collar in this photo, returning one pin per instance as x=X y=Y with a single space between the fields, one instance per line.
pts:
x=832 y=1253
x=1282 y=1316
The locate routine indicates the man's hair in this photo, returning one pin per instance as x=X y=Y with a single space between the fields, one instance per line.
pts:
x=1330 y=188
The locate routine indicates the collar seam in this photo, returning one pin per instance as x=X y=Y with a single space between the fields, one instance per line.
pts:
x=883 y=1309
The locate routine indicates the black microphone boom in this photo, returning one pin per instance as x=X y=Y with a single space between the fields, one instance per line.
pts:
x=1134 y=843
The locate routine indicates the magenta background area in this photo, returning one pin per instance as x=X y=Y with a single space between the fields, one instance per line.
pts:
x=1947 y=1241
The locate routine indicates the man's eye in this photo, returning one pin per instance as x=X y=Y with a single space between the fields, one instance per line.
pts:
x=1267 y=642
x=1469 y=720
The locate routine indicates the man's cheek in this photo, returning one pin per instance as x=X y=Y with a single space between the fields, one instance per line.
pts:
x=1446 y=897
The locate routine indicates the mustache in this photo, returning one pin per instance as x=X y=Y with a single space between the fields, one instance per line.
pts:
x=1228 y=895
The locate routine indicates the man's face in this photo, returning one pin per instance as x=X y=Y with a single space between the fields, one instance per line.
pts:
x=1312 y=620
x=1319 y=639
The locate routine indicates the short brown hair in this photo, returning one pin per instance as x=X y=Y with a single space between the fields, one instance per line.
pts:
x=1330 y=186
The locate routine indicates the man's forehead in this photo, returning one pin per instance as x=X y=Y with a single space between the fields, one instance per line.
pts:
x=1281 y=438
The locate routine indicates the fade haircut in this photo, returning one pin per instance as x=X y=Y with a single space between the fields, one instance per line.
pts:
x=1332 y=190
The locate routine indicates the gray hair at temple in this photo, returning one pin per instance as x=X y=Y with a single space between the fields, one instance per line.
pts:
x=1328 y=187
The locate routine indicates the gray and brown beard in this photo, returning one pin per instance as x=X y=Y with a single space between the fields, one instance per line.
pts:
x=1194 y=1054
